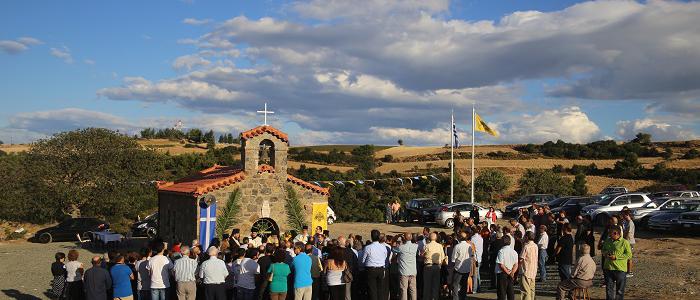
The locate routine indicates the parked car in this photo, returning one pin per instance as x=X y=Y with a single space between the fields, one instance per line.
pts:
x=146 y=227
x=690 y=221
x=559 y=201
x=667 y=218
x=675 y=194
x=422 y=210
x=642 y=214
x=330 y=214
x=614 y=190
x=445 y=214
x=572 y=207
x=511 y=210
x=603 y=210
x=69 y=230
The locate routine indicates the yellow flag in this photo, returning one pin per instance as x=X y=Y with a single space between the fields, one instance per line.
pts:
x=319 y=215
x=480 y=125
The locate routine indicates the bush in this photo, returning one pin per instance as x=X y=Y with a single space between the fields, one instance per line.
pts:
x=542 y=181
x=579 y=185
x=491 y=182
x=691 y=154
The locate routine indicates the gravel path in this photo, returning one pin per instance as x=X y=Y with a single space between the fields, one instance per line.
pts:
x=665 y=268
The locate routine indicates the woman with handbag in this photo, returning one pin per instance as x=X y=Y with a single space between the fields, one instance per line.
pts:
x=336 y=269
x=58 y=270
x=278 y=273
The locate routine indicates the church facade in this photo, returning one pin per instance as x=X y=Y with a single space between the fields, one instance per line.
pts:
x=188 y=207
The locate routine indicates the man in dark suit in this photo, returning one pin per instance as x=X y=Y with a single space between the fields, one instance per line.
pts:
x=97 y=280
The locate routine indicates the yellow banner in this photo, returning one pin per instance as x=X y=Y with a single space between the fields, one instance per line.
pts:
x=480 y=125
x=320 y=215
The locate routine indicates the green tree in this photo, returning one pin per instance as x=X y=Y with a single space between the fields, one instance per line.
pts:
x=691 y=154
x=491 y=182
x=642 y=139
x=295 y=212
x=667 y=154
x=400 y=141
x=228 y=215
x=93 y=172
x=579 y=185
x=628 y=167
x=543 y=181
x=195 y=135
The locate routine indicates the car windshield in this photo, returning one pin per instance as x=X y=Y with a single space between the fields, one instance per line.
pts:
x=151 y=217
x=654 y=204
x=666 y=194
x=605 y=200
x=681 y=206
x=427 y=204
x=558 y=201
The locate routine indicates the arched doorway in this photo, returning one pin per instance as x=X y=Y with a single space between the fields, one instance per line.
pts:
x=266 y=227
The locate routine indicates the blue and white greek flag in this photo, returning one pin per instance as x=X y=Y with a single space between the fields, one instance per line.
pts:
x=454 y=133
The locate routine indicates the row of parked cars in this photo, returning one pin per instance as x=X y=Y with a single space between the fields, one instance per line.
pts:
x=671 y=210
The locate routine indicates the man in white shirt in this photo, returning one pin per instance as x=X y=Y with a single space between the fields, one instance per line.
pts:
x=247 y=269
x=479 y=245
x=213 y=272
x=506 y=269
x=462 y=266
x=304 y=236
x=159 y=268
x=255 y=240
x=542 y=244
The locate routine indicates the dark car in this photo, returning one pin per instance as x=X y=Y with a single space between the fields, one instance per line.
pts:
x=422 y=210
x=511 y=210
x=146 y=227
x=667 y=218
x=690 y=221
x=572 y=207
x=559 y=201
x=69 y=230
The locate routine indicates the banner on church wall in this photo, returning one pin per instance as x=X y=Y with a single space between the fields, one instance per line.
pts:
x=319 y=215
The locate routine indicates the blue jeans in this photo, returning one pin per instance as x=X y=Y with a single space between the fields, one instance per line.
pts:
x=159 y=294
x=542 y=264
x=564 y=272
x=476 y=279
x=615 y=284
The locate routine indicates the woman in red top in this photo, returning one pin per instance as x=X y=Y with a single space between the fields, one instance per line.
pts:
x=491 y=216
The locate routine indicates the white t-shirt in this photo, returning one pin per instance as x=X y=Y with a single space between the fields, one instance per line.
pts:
x=160 y=267
x=508 y=257
x=72 y=273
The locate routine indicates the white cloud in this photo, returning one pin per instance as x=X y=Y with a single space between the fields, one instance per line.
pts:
x=659 y=130
x=189 y=62
x=19 y=45
x=569 y=124
x=435 y=136
x=193 y=21
x=62 y=53
x=89 y=62
x=49 y=122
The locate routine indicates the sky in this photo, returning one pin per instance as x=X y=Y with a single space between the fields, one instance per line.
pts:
x=354 y=72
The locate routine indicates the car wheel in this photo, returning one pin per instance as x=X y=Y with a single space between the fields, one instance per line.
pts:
x=330 y=220
x=45 y=238
x=151 y=232
x=601 y=219
x=450 y=223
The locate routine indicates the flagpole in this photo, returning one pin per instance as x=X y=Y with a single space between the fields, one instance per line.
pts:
x=452 y=158
x=473 y=124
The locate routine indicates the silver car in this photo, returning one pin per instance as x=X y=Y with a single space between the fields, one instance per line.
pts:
x=642 y=214
x=445 y=213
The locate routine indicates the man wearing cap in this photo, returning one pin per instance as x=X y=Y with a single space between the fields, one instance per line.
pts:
x=213 y=273
x=303 y=237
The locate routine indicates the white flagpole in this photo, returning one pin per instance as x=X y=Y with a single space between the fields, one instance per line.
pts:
x=473 y=124
x=452 y=158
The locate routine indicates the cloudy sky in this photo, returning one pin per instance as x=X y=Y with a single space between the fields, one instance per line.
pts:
x=354 y=71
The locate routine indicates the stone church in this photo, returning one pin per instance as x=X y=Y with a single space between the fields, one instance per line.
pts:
x=188 y=207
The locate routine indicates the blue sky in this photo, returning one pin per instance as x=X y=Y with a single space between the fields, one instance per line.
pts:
x=351 y=72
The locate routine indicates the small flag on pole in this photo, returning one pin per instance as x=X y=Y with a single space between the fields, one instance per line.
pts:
x=454 y=132
x=480 y=125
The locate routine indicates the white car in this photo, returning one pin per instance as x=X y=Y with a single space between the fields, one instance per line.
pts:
x=330 y=214
x=603 y=210
x=445 y=213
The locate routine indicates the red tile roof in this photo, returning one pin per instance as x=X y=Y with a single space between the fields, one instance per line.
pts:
x=205 y=181
x=262 y=129
x=217 y=177
x=310 y=186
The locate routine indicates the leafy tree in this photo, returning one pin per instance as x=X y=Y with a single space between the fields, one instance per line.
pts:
x=491 y=182
x=543 y=181
x=364 y=157
x=222 y=139
x=228 y=215
x=92 y=172
x=629 y=167
x=579 y=185
x=295 y=213
x=195 y=135
x=400 y=141
x=667 y=154
x=642 y=139
x=691 y=154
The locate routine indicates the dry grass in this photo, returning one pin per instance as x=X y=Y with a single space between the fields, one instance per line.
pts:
x=296 y=165
x=407 y=151
x=14 y=148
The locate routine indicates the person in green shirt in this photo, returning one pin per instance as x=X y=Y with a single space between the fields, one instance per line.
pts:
x=277 y=275
x=617 y=252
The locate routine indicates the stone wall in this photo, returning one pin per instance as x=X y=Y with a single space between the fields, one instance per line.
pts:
x=250 y=150
x=266 y=190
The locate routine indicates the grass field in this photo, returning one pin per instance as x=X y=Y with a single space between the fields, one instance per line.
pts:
x=344 y=148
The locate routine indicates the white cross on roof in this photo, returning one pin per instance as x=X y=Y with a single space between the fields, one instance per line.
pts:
x=265 y=112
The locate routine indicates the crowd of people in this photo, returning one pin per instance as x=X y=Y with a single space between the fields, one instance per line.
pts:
x=428 y=265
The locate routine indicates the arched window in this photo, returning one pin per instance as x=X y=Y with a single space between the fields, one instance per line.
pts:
x=266 y=154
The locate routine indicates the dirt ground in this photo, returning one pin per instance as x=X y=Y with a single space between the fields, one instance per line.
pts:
x=665 y=267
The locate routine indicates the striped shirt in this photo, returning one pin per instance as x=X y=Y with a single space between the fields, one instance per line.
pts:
x=185 y=269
